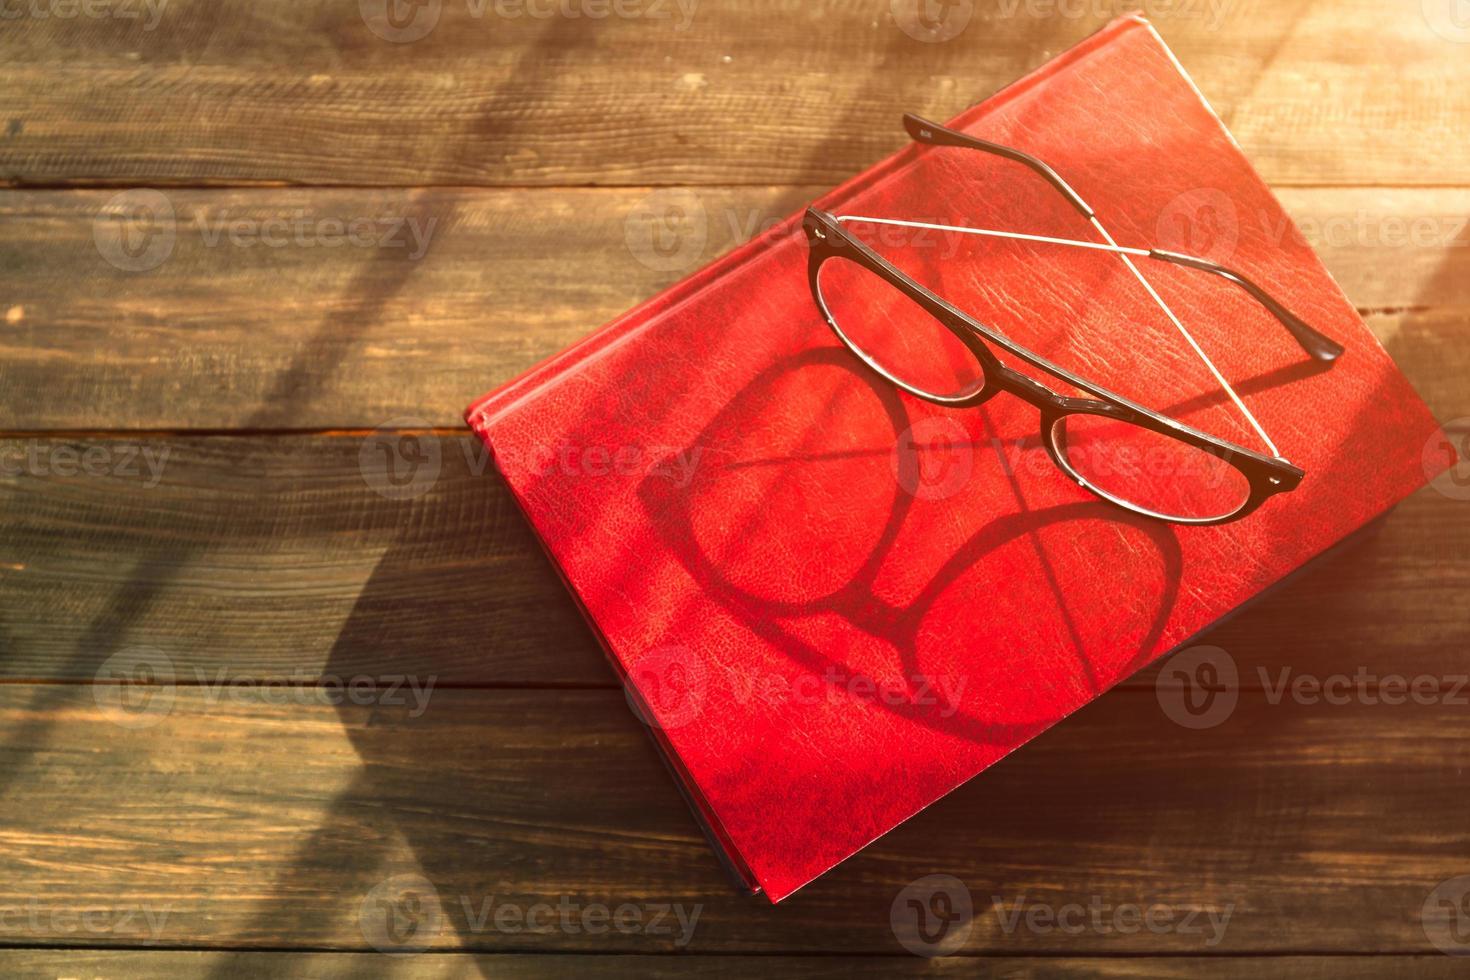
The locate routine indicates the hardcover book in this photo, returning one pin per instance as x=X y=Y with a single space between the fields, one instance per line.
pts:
x=835 y=602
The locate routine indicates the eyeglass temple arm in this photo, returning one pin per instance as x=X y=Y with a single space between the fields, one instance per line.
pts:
x=1316 y=344
x=924 y=131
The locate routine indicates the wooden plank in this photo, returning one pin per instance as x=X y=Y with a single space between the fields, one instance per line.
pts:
x=278 y=557
x=284 y=548
x=759 y=91
x=246 y=323
x=258 y=821
x=226 y=335
x=49 y=964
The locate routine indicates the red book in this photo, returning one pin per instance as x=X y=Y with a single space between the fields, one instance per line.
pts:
x=836 y=602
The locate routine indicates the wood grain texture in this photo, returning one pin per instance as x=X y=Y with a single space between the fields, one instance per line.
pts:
x=757 y=92
x=276 y=557
x=25 y=964
x=252 y=820
x=259 y=315
x=254 y=698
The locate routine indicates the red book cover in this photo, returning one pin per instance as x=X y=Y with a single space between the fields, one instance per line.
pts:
x=837 y=602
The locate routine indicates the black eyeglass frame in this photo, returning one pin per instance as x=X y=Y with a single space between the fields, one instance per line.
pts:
x=827 y=239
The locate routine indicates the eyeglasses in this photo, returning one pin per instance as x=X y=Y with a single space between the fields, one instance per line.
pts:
x=1126 y=454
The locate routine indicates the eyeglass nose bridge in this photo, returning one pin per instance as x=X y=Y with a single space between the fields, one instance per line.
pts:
x=1051 y=406
x=1026 y=387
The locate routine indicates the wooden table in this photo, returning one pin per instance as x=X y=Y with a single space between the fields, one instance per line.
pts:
x=191 y=514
